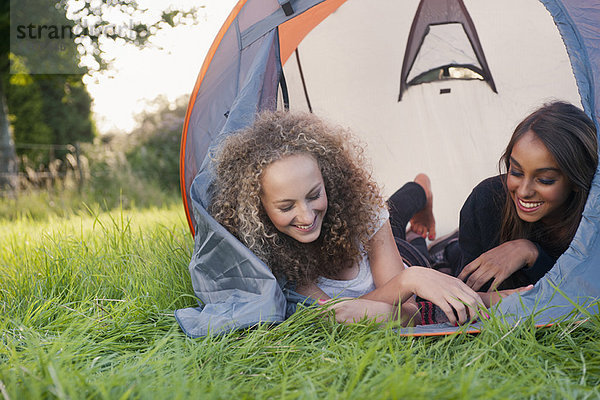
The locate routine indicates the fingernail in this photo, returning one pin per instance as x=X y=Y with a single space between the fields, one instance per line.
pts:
x=320 y=301
x=456 y=324
x=487 y=316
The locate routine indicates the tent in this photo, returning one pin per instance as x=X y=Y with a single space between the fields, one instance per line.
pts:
x=428 y=85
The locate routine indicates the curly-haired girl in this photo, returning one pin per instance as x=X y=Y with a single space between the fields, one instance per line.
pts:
x=297 y=193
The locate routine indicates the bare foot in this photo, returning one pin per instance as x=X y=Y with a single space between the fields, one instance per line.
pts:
x=423 y=222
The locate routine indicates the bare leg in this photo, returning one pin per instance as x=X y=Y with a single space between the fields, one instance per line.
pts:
x=423 y=222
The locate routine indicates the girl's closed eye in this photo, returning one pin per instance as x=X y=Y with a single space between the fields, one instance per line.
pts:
x=546 y=181
x=286 y=208
x=515 y=172
x=315 y=196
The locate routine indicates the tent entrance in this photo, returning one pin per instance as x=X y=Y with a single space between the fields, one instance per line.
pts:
x=446 y=53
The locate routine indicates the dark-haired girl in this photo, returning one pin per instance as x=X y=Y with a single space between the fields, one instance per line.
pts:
x=514 y=226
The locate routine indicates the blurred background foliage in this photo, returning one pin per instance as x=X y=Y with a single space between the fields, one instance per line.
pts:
x=139 y=169
x=63 y=164
x=48 y=109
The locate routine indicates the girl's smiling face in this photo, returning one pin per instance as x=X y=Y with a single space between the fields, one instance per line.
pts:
x=294 y=198
x=536 y=184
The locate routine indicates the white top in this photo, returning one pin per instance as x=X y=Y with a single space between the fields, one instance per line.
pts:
x=360 y=285
x=363 y=282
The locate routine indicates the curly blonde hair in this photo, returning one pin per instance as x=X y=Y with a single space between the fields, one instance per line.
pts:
x=354 y=199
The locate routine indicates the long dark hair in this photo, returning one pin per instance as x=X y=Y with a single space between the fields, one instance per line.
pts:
x=570 y=136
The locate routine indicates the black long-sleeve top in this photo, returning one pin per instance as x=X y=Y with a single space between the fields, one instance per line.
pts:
x=479 y=231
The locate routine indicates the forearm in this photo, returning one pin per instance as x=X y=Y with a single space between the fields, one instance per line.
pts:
x=354 y=310
x=542 y=264
x=313 y=291
x=348 y=310
x=396 y=291
x=490 y=299
x=410 y=313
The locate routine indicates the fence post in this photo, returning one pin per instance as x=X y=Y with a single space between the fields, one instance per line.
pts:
x=8 y=157
x=77 y=152
x=51 y=170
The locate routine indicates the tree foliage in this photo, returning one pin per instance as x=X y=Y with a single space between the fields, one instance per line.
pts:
x=120 y=21
x=25 y=102
x=56 y=108
x=48 y=108
x=154 y=155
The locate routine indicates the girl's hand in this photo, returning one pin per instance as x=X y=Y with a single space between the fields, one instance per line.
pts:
x=499 y=263
x=493 y=298
x=348 y=310
x=458 y=301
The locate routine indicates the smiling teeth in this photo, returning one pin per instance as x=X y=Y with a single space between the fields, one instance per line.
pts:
x=305 y=227
x=530 y=205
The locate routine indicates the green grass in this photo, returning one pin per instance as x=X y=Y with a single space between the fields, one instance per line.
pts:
x=86 y=313
x=64 y=201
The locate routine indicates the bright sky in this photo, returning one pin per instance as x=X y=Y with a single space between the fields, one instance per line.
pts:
x=139 y=76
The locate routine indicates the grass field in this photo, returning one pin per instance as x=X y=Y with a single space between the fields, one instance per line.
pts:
x=87 y=308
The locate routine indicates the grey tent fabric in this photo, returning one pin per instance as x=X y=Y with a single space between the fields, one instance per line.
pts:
x=578 y=22
x=235 y=289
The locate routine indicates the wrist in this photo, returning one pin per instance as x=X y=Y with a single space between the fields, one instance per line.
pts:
x=408 y=282
x=531 y=252
x=393 y=292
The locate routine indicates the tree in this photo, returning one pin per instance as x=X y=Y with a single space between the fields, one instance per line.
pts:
x=70 y=52
x=8 y=157
x=154 y=154
x=25 y=100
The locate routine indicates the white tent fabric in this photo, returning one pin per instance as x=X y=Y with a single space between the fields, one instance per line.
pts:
x=456 y=138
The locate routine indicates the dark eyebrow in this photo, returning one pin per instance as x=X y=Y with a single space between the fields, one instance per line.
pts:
x=290 y=200
x=548 y=169
x=512 y=160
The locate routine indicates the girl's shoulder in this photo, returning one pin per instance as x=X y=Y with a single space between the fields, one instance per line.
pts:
x=380 y=216
x=485 y=203
x=490 y=187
